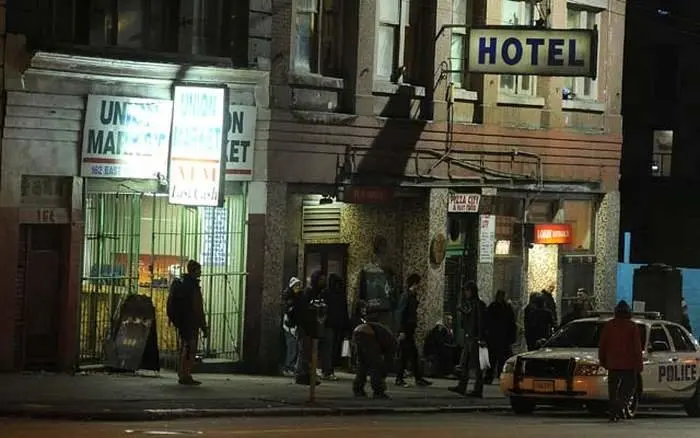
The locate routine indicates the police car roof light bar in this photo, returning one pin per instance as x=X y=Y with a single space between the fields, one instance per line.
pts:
x=644 y=315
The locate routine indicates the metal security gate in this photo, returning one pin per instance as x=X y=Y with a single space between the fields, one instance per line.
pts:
x=137 y=243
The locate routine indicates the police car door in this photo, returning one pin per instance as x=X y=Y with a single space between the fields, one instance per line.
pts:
x=682 y=372
x=657 y=358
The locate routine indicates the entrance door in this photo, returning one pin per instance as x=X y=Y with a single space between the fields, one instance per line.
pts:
x=43 y=291
x=331 y=258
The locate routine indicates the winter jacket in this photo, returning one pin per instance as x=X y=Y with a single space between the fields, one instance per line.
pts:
x=337 y=302
x=474 y=319
x=500 y=321
x=408 y=313
x=620 y=345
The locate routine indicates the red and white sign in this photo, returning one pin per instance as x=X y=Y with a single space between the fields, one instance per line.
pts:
x=553 y=234
x=463 y=203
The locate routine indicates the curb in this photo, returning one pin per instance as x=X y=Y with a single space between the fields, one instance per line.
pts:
x=55 y=413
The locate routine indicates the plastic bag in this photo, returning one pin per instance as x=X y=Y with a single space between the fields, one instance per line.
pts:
x=346 y=349
x=484 y=362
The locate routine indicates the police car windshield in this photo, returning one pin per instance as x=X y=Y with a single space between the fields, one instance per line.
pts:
x=582 y=334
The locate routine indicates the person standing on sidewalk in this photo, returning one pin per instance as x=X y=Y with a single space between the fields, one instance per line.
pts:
x=336 y=324
x=305 y=320
x=375 y=345
x=189 y=304
x=501 y=333
x=473 y=312
x=620 y=352
x=408 y=323
x=289 y=327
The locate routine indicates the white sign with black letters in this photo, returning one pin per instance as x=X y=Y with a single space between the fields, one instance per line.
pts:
x=240 y=125
x=196 y=148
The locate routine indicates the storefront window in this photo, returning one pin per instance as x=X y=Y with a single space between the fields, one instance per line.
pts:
x=579 y=214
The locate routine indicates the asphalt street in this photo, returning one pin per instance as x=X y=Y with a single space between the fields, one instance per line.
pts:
x=494 y=425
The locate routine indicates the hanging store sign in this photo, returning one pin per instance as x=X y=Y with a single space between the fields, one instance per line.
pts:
x=487 y=238
x=553 y=234
x=240 y=126
x=196 y=151
x=463 y=203
x=532 y=51
x=125 y=137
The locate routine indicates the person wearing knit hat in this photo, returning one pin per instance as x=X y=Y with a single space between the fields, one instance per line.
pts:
x=620 y=352
x=289 y=325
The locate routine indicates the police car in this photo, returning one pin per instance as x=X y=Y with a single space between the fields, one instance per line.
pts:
x=566 y=370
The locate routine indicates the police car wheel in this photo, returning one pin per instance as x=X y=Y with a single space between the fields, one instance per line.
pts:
x=692 y=406
x=522 y=405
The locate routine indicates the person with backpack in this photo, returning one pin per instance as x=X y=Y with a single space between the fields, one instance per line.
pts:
x=186 y=313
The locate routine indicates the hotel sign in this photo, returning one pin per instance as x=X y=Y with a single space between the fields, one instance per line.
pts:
x=553 y=234
x=531 y=51
x=196 y=151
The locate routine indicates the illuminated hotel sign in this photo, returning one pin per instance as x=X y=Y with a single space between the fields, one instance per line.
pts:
x=125 y=137
x=532 y=51
x=196 y=151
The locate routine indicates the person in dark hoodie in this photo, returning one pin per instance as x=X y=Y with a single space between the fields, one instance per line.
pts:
x=305 y=319
x=375 y=345
x=620 y=352
x=336 y=323
x=474 y=324
x=408 y=323
x=539 y=322
x=501 y=333
x=549 y=302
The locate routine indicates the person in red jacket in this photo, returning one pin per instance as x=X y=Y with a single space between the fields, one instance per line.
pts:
x=620 y=352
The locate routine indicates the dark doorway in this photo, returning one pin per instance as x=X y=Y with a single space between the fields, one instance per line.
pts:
x=40 y=285
x=578 y=273
x=331 y=258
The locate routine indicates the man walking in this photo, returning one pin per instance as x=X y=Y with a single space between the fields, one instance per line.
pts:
x=189 y=319
x=375 y=346
x=473 y=311
x=501 y=333
x=408 y=323
x=620 y=352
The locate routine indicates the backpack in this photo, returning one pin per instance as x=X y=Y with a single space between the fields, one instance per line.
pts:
x=174 y=304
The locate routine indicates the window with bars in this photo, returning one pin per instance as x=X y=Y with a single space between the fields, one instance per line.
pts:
x=582 y=88
x=318 y=37
x=518 y=13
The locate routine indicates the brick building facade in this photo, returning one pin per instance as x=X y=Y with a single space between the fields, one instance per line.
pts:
x=369 y=125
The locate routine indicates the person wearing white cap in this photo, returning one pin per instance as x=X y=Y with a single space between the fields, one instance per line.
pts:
x=289 y=326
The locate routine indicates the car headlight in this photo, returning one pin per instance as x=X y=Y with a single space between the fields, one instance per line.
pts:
x=590 y=370
x=509 y=367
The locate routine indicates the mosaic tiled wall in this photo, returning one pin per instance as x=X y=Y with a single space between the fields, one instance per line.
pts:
x=408 y=225
x=543 y=267
x=607 y=222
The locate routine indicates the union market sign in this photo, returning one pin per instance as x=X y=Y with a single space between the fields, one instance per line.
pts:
x=532 y=51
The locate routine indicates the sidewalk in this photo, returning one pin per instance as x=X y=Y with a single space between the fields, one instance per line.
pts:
x=158 y=396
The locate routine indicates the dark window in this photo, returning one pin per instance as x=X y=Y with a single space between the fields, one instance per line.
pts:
x=681 y=341
x=658 y=334
x=318 y=37
x=190 y=27
x=584 y=334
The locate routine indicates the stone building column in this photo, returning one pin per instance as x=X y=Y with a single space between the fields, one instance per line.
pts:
x=420 y=227
x=265 y=265
x=549 y=87
x=607 y=229
x=364 y=57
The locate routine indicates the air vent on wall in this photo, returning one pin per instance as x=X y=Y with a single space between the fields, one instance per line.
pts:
x=320 y=222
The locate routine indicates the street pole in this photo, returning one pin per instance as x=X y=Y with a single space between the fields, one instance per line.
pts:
x=312 y=372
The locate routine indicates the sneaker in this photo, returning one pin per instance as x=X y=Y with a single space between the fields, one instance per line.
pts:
x=189 y=381
x=423 y=382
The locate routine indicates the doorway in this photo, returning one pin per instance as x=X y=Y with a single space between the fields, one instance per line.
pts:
x=41 y=290
x=331 y=258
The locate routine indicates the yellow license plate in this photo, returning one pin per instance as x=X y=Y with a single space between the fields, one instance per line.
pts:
x=543 y=386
